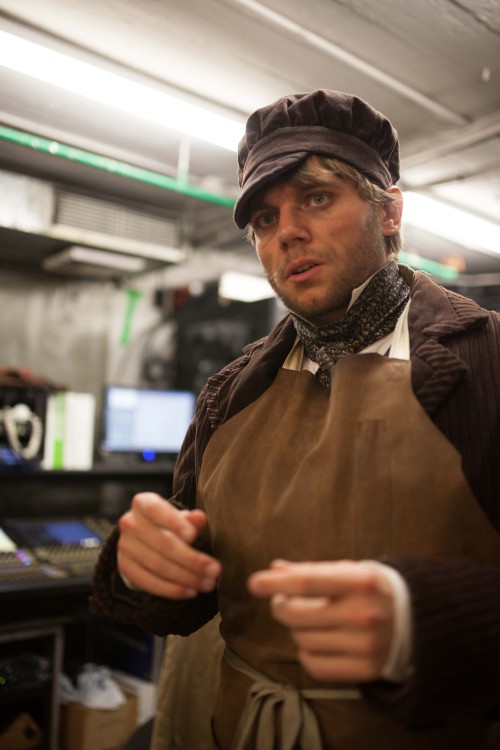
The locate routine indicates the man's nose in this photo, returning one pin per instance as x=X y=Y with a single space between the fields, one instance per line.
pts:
x=293 y=227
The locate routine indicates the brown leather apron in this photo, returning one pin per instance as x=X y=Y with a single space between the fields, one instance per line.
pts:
x=357 y=472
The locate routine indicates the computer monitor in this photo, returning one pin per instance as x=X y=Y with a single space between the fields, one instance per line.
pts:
x=52 y=532
x=145 y=423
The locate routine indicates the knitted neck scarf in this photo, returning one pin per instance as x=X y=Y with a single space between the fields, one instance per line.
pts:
x=373 y=316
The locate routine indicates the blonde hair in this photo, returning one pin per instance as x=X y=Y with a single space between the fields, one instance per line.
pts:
x=367 y=190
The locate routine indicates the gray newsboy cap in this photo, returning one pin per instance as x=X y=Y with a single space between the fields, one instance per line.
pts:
x=281 y=135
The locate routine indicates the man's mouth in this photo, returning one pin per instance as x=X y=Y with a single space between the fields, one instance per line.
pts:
x=303 y=268
x=297 y=269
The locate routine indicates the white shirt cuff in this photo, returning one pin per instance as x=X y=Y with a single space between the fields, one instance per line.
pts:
x=397 y=667
x=125 y=580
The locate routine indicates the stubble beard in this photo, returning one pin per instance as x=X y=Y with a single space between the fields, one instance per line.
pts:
x=365 y=257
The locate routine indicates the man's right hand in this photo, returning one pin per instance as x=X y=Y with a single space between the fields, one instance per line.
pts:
x=155 y=552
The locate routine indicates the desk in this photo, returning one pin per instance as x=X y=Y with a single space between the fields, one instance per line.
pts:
x=32 y=635
x=51 y=618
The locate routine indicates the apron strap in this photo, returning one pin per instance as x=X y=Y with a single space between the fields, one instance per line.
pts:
x=299 y=724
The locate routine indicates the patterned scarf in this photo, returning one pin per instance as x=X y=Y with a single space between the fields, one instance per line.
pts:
x=373 y=316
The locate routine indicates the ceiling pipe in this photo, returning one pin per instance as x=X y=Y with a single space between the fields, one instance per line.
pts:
x=112 y=166
x=319 y=42
x=469 y=135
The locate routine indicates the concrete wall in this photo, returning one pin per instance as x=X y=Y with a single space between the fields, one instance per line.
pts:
x=73 y=331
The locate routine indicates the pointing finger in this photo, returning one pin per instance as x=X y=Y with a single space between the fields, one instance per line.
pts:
x=334 y=579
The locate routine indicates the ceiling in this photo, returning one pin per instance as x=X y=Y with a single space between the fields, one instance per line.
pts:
x=432 y=66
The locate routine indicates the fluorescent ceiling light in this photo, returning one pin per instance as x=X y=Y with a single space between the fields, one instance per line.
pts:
x=244 y=287
x=119 y=92
x=451 y=223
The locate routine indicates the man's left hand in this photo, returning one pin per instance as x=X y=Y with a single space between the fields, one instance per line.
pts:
x=340 y=615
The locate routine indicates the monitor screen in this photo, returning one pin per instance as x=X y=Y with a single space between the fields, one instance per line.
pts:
x=45 y=533
x=50 y=532
x=145 y=422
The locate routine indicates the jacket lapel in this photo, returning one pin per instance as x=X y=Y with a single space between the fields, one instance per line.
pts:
x=436 y=317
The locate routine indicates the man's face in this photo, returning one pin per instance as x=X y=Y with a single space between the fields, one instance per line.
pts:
x=318 y=242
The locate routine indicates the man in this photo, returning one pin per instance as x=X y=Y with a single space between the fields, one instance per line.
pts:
x=340 y=511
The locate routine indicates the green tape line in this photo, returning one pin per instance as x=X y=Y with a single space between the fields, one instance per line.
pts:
x=107 y=164
x=133 y=295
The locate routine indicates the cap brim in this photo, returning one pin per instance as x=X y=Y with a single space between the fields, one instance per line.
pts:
x=264 y=174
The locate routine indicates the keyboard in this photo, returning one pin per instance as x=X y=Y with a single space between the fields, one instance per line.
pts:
x=21 y=570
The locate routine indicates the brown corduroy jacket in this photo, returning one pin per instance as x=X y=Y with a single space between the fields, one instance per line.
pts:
x=455 y=359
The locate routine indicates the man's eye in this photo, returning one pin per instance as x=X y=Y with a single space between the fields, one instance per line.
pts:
x=319 y=199
x=263 y=220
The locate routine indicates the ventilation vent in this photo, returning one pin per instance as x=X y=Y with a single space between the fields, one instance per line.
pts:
x=105 y=217
x=93 y=264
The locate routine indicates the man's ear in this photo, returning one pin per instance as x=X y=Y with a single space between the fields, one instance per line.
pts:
x=391 y=212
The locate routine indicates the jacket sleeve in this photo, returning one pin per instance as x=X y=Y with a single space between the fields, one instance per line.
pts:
x=455 y=602
x=112 y=598
x=456 y=644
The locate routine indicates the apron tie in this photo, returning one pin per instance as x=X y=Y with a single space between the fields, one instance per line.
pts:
x=299 y=724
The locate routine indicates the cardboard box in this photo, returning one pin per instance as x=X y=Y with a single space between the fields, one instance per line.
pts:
x=145 y=692
x=69 y=431
x=84 y=728
x=22 y=734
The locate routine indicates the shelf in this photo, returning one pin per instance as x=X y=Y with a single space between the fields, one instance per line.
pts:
x=39 y=639
x=104 y=469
